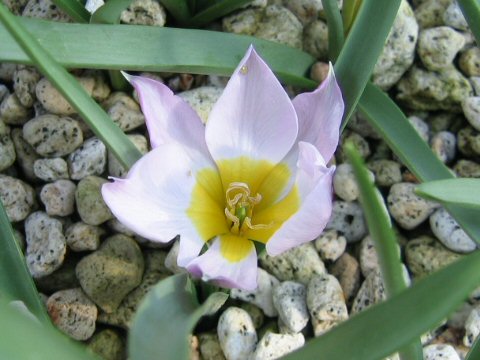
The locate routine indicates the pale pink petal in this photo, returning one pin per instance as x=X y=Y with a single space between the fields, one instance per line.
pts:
x=254 y=117
x=213 y=266
x=168 y=117
x=314 y=182
x=319 y=116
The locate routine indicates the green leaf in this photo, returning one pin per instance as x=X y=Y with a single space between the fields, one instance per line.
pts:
x=110 y=12
x=389 y=121
x=363 y=46
x=74 y=9
x=216 y=11
x=166 y=317
x=380 y=229
x=15 y=280
x=179 y=9
x=464 y=192
x=23 y=338
x=396 y=322
x=335 y=28
x=90 y=111
x=117 y=47
x=471 y=11
x=349 y=13
x=474 y=353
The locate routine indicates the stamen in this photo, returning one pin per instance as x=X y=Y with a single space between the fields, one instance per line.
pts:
x=248 y=223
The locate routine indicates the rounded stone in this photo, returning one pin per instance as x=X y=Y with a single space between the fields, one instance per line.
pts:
x=420 y=126
x=73 y=313
x=24 y=81
x=330 y=245
x=469 y=62
x=46 y=246
x=257 y=314
x=110 y=273
x=236 y=334
x=89 y=159
x=59 y=197
x=289 y=298
x=115 y=168
x=50 y=169
x=347 y=270
x=144 y=12
x=124 y=111
x=453 y=17
x=45 y=9
x=210 y=347
x=429 y=13
x=471 y=110
x=386 y=172
x=372 y=291
x=450 y=234
x=12 y=112
x=305 y=10
x=26 y=155
x=83 y=237
x=108 y=344
x=472 y=327
x=468 y=141
x=347 y=218
x=53 y=136
x=344 y=182
x=202 y=99
x=90 y=205
x=440 y=351
x=444 y=145
x=274 y=346
x=7 y=148
x=315 y=39
x=368 y=256
x=467 y=168
x=18 y=198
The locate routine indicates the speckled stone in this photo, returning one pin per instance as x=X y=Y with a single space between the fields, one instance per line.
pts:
x=326 y=303
x=386 y=172
x=453 y=17
x=24 y=81
x=469 y=62
x=210 y=347
x=467 y=168
x=26 y=155
x=430 y=13
x=90 y=205
x=236 y=334
x=358 y=141
x=440 y=352
x=472 y=326
x=305 y=10
x=298 y=264
x=424 y=255
x=347 y=270
x=274 y=346
x=7 y=149
x=315 y=39
x=347 y=218
x=45 y=9
x=144 y=12
x=371 y=291
x=471 y=110
x=59 y=197
x=89 y=159
x=12 y=112
x=15 y=6
x=118 y=170
x=124 y=111
x=289 y=298
x=50 y=169
x=202 y=99
x=444 y=145
x=344 y=182
x=108 y=344
x=53 y=136
x=421 y=127
x=111 y=272
x=46 y=244
x=330 y=245
x=468 y=141
x=83 y=237
x=450 y=234
x=73 y=313
x=7 y=69
x=262 y=295
x=18 y=198
x=368 y=256
x=408 y=209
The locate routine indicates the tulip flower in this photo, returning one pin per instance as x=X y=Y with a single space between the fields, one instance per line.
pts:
x=257 y=172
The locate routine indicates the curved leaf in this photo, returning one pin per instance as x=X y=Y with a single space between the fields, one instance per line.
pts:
x=464 y=192
x=471 y=11
x=74 y=9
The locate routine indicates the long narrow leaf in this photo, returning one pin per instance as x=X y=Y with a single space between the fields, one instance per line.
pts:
x=118 y=47
x=216 y=11
x=335 y=28
x=179 y=9
x=74 y=9
x=110 y=12
x=474 y=353
x=464 y=192
x=91 y=112
x=349 y=13
x=471 y=11
x=397 y=321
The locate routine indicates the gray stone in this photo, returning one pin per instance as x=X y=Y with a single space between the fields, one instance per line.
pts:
x=90 y=205
x=45 y=9
x=467 y=168
x=453 y=17
x=408 y=209
x=12 y=112
x=124 y=111
x=326 y=303
x=358 y=141
x=118 y=170
x=344 y=182
x=359 y=124
x=202 y=99
x=430 y=13
x=101 y=89
x=262 y=295
x=468 y=141
x=83 y=237
x=386 y=172
x=450 y=234
x=73 y=313
x=347 y=219
x=305 y=10
x=50 y=169
x=440 y=352
x=108 y=344
x=368 y=256
x=111 y=272
x=46 y=245
x=210 y=347
x=274 y=346
x=315 y=39
x=61 y=279
x=24 y=81
x=469 y=62
x=18 y=198
x=289 y=298
x=347 y=270
x=299 y=264
x=442 y=121
x=471 y=110
x=444 y=145
x=399 y=50
x=144 y=12
x=330 y=245
x=236 y=334
x=26 y=155
x=15 y=6
x=372 y=291
x=59 y=197
x=475 y=81
x=7 y=149
x=89 y=159
x=53 y=136
x=472 y=327
x=421 y=127
x=438 y=46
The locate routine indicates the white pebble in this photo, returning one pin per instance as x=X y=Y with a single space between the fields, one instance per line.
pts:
x=236 y=334
x=289 y=299
x=447 y=230
x=273 y=346
x=330 y=245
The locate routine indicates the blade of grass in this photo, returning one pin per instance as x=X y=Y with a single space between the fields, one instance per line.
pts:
x=117 y=47
x=362 y=48
x=335 y=28
x=474 y=353
x=15 y=279
x=398 y=321
x=90 y=111
x=471 y=11
x=389 y=121
x=464 y=192
x=349 y=13
x=74 y=9
x=380 y=229
x=216 y=11
x=179 y=9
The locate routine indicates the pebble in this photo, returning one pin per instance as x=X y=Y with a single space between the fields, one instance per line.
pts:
x=344 y=182
x=421 y=127
x=210 y=347
x=467 y=168
x=83 y=237
x=7 y=149
x=3 y=92
x=399 y=50
x=24 y=81
x=202 y=99
x=326 y=303
x=475 y=81
x=440 y=352
x=262 y=296
x=257 y=315
x=12 y=112
x=300 y=264
x=144 y=12
x=26 y=155
x=330 y=245
x=368 y=256
x=469 y=62
x=6 y=71
x=407 y=208
x=108 y=344
x=90 y=205
x=18 y=198
x=472 y=327
x=89 y=159
x=115 y=168
x=315 y=39
x=438 y=46
x=73 y=313
x=236 y=334
x=171 y=259
x=305 y=10
x=110 y=273
x=450 y=234
x=274 y=346
x=54 y=102
x=53 y=136
x=471 y=110
x=453 y=17
x=429 y=13
x=59 y=197
x=358 y=141
x=50 y=169
x=444 y=145
x=46 y=244
x=386 y=172
x=468 y=141
x=124 y=111
x=347 y=218
x=372 y=291
x=347 y=270
x=289 y=298
x=425 y=255
x=45 y=9
x=359 y=124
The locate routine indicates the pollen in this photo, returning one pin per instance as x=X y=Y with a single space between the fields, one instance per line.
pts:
x=244 y=69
